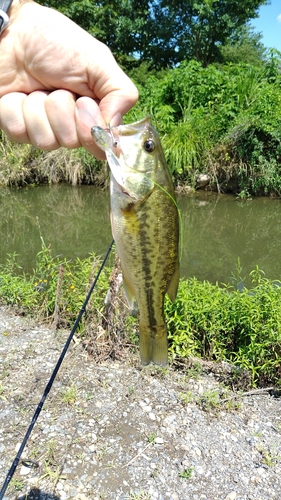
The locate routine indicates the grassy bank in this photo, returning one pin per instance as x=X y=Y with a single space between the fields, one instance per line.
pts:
x=22 y=164
x=206 y=321
x=223 y=121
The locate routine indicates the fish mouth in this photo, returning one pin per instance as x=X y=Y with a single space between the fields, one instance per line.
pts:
x=126 y=193
x=122 y=189
x=133 y=128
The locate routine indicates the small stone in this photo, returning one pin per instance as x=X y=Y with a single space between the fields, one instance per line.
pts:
x=231 y=496
x=202 y=180
x=159 y=440
x=24 y=470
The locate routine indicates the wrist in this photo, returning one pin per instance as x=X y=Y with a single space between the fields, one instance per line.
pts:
x=15 y=6
x=4 y=18
x=8 y=11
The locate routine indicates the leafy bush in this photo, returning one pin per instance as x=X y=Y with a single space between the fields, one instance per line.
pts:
x=216 y=323
x=243 y=327
x=55 y=285
x=200 y=113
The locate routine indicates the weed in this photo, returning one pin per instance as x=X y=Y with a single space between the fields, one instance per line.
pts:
x=151 y=438
x=81 y=457
x=52 y=468
x=154 y=473
x=269 y=458
x=186 y=397
x=69 y=395
x=141 y=495
x=242 y=327
x=194 y=371
x=53 y=473
x=157 y=371
x=130 y=390
x=17 y=484
x=2 y=390
x=102 y=452
x=209 y=400
x=186 y=473
x=278 y=427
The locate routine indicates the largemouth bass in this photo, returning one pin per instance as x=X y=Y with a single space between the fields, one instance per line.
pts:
x=145 y=227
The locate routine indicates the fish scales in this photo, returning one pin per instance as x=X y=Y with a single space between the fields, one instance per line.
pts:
x=145 y=226
x=143 y=238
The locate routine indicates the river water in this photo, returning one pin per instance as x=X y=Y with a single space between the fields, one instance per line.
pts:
x=218 y=231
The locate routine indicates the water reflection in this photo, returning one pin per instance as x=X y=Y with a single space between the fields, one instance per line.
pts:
x=74 y=221
x=219 y=230
x=216 y=230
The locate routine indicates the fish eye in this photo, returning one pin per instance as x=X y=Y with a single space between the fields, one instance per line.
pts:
x=149 y=145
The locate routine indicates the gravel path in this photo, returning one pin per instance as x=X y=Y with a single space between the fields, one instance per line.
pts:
x=118 y=431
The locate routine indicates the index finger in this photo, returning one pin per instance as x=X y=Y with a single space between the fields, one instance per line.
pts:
x=115 y=91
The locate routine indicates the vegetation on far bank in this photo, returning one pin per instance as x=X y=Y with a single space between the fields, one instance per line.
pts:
x=203 y=73
x=218 y=323
x=222 y=120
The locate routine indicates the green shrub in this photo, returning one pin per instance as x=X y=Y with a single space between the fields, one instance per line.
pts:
x=199 y=113
x=225 y=324
x=54 y=284
x=209 y=321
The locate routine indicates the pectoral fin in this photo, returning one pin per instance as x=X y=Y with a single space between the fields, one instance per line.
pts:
x=174 y=283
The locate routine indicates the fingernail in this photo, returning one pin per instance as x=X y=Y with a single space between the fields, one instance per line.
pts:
x=116 y=120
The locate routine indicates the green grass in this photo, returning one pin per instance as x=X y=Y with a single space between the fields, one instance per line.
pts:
x=207 y=321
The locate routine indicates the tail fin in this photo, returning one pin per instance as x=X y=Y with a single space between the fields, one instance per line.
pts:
x=153 y=345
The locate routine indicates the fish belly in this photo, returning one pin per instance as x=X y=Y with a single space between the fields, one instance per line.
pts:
x=146 y=237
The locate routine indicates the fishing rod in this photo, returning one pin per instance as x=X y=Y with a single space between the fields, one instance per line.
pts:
x=51 y=380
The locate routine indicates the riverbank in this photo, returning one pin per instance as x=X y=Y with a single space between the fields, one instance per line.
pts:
x=116 y=430
x=23 y=165
x=219 y=126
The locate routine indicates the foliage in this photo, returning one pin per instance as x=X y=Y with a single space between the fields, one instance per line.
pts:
x=244 y=46
x=163 y=32
x=55 y=285
x=222 y=120
x=242 y=327
x=22 y=164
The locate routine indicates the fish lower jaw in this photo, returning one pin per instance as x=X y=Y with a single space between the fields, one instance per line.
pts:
x=128 y=194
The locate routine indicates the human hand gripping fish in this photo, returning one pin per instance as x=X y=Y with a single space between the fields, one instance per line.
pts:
x=145 y=227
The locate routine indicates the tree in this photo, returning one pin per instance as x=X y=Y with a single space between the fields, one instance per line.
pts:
x=198 y=29
x=164 y=32
x=120 y=24
x=244 y=46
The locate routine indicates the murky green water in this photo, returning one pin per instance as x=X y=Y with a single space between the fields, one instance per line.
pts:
x=216 y=230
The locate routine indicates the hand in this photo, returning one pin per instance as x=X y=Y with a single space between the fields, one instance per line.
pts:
x=57 y=81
